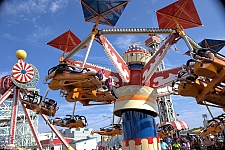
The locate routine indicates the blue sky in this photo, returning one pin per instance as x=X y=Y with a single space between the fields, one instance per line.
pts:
x=30 y=24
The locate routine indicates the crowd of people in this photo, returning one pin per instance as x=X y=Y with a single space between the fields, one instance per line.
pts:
x=193 y=142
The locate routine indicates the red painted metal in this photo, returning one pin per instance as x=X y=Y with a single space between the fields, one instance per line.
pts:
x=182 y=12
x=5 y=83
x=152 y=39
x=6 y=94
x=153 y=63
x=14 y=116
x=56 y=131
x=54 y=141
x=114 y=75
x=162 y=78
x=31 y=125
x=22 y=72
x=66 y=41
x=135 y=76
x=116 y=59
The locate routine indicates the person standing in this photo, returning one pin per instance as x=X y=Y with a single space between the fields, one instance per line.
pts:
x=169 y=143
x=120 y=147
x=163 y=144
x=176 y=145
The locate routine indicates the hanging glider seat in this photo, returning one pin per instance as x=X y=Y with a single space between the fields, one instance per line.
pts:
x=31 y=100
x=188 y=85
x=61 y=122
x=113 y=132
x=48 y=107
x=75 y=124
x=70 y=121
x=207 y=70
x=213 y=127
x=85 y=96
x=66 y=75
x=210 y=63
x=99 y=97
x=216 y=99
x=190 y=89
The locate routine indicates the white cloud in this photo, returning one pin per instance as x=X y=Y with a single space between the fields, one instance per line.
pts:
x=39 y=33
x=4 y=73
x=124 y=41
x=56 y=5
x=38 y=6
x=193 y=117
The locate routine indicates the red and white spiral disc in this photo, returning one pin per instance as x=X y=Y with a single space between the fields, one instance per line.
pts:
x=23 y=72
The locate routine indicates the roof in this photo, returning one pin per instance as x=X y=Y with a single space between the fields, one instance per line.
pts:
x=82 y=140
x=54 y=141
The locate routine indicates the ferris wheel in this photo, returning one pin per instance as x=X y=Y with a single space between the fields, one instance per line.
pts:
x=20 y=86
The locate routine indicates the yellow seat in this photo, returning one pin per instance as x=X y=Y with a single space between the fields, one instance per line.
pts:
x=216 y=99
x=190 y=89
x=54 y=84
x=112 y=133
x=76 y=124
x=207 y=70
x=76 y=80
x=88 y=96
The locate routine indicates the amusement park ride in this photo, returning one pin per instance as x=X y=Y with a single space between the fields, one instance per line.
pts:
x=133 y=88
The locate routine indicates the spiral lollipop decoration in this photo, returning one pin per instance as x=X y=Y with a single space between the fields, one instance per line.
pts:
x=24 y=75
x=22 y=72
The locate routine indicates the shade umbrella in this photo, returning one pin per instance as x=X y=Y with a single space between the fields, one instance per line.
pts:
x=177 y=125
x=103 y=11
x=214 y=45
x=182 y=13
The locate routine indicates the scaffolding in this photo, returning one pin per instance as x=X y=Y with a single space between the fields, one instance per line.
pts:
x=24 y=137
x=165 y=104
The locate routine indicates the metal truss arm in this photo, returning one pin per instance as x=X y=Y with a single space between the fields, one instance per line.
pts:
x=78 y=47
x=31 y=125
x=210 y=86
x=164 y=77
x=6 y=94
x=58 y=134
x=153 y=63
x=116 y=59
x=137 y=31
x=14 y=115
x=192 y=42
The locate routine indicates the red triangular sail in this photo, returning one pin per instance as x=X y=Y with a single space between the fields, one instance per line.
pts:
x=182 y=12
x=65 y=42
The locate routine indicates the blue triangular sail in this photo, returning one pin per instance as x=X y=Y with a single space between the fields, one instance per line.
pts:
x=108 y=11
x=215 y=45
